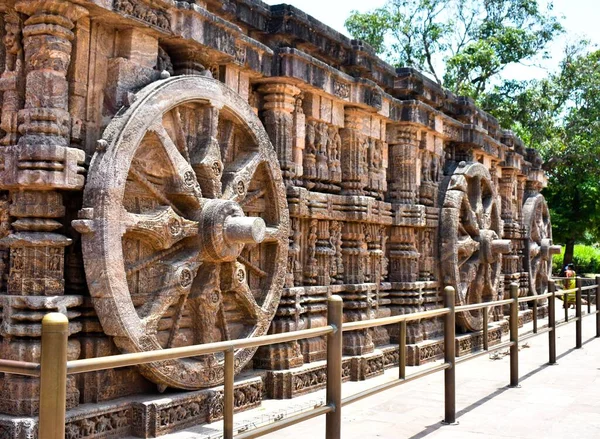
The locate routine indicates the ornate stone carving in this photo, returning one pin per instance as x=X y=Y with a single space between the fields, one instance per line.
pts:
x=11 y=81
x=144 y=12
x=538 y=245
x=471 y=244
x=194 y=267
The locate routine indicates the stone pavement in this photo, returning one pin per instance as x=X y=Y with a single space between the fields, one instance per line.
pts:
x=561 y=401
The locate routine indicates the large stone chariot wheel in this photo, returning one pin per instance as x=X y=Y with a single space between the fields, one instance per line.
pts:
x=470 y=227
x=185 y=227
x=538 y=244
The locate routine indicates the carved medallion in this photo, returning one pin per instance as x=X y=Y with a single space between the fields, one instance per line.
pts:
x=172 y=258
x=470 y=239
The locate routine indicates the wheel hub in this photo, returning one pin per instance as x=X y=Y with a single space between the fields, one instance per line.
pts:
x=224 y=230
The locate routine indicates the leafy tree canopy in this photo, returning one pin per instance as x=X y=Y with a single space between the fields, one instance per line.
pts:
x=463 y=44
x=560 y=116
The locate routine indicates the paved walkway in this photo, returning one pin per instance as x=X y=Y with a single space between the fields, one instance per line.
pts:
x=561 y=401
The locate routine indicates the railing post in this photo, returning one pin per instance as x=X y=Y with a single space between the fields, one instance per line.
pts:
x=589 y=299
x=552 y=323
x=486 y=313
x=514 y=335
x=334 y=368
x=228 y=401
x=450 y=358
x=402 y=350
x=578 y=323
x=535 y=316
x=53 y=378
x=566 y=305
x=597 y=304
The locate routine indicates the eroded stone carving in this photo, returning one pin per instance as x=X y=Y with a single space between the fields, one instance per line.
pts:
x=185 y=210
x=470 y=233
x=194 y=267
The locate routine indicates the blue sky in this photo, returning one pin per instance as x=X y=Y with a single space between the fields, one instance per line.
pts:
x=581 y=19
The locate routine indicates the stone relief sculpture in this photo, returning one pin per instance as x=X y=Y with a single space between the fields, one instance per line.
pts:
x=180 y=209
x=161 y=203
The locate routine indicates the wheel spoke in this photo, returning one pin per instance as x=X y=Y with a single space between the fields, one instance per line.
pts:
x=252 y=267
x=238 y=176
x=252 y=197
x=184 y=183
x=469 y=221
x=206 y=155
x=477 y=282
x=237 y=282
x=162 y=228
x=178 y=279
x=204 y=303
x=475 y=196
x=274 y=234
x=534 y=249
x=466 y=246
x=226 y=140
x=180 y=136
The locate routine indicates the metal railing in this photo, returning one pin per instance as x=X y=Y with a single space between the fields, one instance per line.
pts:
x=54 y=368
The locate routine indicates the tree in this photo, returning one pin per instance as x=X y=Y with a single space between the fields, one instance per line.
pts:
x=473 y=39
x=560 y=116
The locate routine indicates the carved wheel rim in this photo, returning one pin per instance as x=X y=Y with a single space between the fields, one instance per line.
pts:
x=538 y=243
x=470 y=228
x=185 y=227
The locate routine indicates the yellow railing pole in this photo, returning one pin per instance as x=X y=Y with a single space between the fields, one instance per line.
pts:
x=53 y=378
x=333 y=421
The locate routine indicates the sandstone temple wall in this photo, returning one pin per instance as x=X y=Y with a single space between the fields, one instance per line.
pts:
x=389 y=188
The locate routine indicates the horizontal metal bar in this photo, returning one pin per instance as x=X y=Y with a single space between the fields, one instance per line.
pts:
x=534 y=334
x=563 y=292
x=284 y=423
x=464 y=358
x=20 y=368
x=366 y=324
x=563 y=323
x=385 y=386
x=593 y=313
x=133 y=359
x=588 y=287
x=473 y=306
x=532 y=298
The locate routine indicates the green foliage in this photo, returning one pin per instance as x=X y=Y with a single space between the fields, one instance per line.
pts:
x=586 y=259
x=474 y=39
x=560 y=116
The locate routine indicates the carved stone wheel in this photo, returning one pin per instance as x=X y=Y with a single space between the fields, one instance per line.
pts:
x=470 y=227
x=538 y=244
x=185 y=227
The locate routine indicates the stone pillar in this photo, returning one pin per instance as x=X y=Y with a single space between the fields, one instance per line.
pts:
x=355 y=169
x=404 y=255
x=35 y=170
x=284 y=121
x=356 y=307
x=403 y=149
x=324 y=251
x=280 y=103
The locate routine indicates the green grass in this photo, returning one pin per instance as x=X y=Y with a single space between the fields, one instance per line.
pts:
x=586 y=259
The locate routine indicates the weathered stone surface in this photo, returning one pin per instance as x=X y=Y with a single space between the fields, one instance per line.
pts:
x=174 y=173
